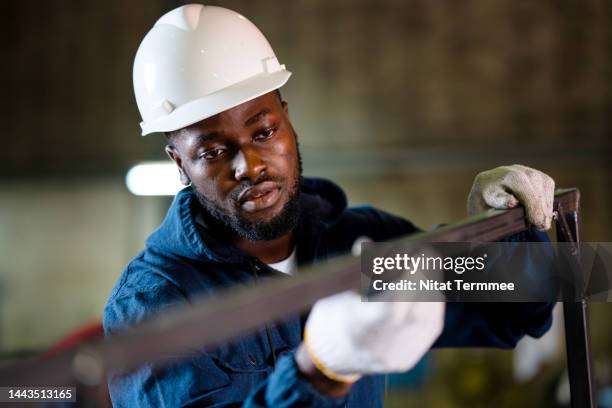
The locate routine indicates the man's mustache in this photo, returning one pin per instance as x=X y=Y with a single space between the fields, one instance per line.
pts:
x=244 y=184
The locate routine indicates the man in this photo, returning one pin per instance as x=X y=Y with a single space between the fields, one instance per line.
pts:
x=208 y=79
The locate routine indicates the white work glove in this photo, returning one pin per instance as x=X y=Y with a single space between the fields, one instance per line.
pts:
x=346 y=337
x=506 y=186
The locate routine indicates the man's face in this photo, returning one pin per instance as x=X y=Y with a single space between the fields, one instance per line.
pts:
x=244 y=166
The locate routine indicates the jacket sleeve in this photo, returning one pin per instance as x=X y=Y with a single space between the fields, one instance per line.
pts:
x=196 y=380
x=500 y=325
x=284 y=388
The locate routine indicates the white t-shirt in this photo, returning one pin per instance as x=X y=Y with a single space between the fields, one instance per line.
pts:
x=287 y=265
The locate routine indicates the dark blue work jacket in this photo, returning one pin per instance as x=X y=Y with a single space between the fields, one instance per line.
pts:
x=183 y=260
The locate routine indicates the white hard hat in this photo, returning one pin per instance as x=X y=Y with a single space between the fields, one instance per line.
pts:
x=198 y=61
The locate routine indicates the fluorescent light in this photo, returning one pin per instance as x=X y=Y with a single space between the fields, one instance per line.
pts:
x=153 y=179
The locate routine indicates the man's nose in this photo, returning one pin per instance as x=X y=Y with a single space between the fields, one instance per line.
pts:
x=247 y=164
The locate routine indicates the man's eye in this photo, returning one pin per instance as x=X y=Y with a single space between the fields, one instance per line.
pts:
x=212 y=153
x=264 y=134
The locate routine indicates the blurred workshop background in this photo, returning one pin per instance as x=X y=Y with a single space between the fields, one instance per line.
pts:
x=401 y=102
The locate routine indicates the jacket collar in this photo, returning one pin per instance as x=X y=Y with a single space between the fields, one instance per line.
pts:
x=181 y=235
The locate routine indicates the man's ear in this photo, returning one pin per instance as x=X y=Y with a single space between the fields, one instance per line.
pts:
x=176 y=158
x=286 y=108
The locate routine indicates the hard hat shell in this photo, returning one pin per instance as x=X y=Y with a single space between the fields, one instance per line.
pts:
x=198 y=61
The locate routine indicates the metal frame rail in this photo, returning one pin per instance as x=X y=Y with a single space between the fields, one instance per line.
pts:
x=208 y=322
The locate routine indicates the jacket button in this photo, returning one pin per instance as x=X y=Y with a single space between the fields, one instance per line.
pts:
x=252 y=359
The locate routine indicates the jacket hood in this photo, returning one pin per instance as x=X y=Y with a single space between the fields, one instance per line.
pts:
x=321 y=201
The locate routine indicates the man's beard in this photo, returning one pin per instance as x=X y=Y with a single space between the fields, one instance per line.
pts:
x=286 y=221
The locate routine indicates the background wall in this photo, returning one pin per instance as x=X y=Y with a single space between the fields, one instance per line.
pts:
x=401 y=102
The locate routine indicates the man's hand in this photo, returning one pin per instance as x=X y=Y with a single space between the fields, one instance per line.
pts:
x=508 y=186
x=346 y=338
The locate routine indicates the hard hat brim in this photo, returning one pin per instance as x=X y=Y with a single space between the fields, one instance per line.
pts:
x=222 y=100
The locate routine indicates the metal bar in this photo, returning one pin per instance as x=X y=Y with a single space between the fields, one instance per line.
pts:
x=576 y=317
x=208 y=322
